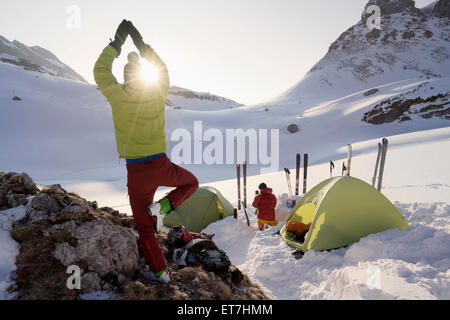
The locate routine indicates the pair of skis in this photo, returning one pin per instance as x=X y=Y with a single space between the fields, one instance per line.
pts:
x=244 y=202
x=297 y=174
x=379 y=164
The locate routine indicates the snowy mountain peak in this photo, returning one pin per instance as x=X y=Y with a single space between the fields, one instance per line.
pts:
x=409 y=43
x=36 y=59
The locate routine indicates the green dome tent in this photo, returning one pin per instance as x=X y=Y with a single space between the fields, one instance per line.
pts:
x=204 y=207
x=341 y=211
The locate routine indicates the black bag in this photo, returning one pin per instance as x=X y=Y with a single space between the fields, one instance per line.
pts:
x=201 y=249
x=207 y=254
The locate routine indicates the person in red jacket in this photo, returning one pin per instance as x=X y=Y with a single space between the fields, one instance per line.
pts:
x=265 y=203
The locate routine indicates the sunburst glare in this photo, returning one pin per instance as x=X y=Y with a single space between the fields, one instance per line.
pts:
x=148 y=73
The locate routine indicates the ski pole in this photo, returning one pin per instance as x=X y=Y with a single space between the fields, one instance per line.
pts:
x=286 y=170
x=331 y=168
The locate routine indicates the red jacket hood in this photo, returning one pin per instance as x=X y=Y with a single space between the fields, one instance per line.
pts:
x=266 y=191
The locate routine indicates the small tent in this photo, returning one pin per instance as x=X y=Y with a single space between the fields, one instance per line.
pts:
x=204 y=207
x=341 y=211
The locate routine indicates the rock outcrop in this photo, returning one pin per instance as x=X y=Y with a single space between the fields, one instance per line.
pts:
x=441 y=9
x=422 y=101
x=62 y=230
x=389 y=7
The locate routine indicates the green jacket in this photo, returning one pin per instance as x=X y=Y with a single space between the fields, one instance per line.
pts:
x=139 y=110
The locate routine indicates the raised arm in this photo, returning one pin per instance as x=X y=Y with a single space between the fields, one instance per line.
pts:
x=147 y=52
x=103 y=75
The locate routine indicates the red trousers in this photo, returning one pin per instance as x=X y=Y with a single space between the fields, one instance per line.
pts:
x=143 y=180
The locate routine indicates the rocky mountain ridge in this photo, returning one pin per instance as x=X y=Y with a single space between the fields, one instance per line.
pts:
x=410 y=43
x=35 y=59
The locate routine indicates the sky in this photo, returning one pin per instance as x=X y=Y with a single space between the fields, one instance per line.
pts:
x=246 y=50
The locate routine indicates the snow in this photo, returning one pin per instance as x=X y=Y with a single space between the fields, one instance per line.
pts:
x=199 y=101
x=7 y=56
x=98 y=295
x=62 y=132
x=9 y=248
x=72 y=143
x=409 y=264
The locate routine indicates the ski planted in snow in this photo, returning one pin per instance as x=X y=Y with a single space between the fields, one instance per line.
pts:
x=349 y=159
x=377 y=163
x=288 y=179
x=331 y=168
x=305 y=171
x=382 y=162
x=297 y=173
x=244 y=171
x=246 y=215
x=238 y=170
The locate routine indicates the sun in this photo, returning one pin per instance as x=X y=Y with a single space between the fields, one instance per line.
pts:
x=148 y=72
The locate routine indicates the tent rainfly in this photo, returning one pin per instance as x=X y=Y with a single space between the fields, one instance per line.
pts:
x=205 y=206
x=341 y=210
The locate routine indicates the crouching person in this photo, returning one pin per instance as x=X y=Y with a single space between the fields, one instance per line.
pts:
x=265 y=204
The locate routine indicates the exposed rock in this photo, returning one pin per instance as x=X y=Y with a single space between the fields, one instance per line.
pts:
x=370 y=92
x=53 y=189
x=16 y=98
x=408 y=35
x=44 y=202
x=69 y=227
x=108 y=249
x=293 y=128
x=441 y=9
x=389 y=7
x=78 y=207
x=62 y=229
x=374 y=34
x=428 y=34
x=15 y=188
x=90 y=282
x=415 y=102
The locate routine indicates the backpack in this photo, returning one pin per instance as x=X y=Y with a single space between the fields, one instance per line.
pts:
x=201 y=250
x=180 y=236
x=206 y=253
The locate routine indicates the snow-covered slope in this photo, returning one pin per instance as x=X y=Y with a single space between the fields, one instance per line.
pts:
x=61 y=131
x=409 y=264
x=64 y=129
x=409 y=44
x=35 y=58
